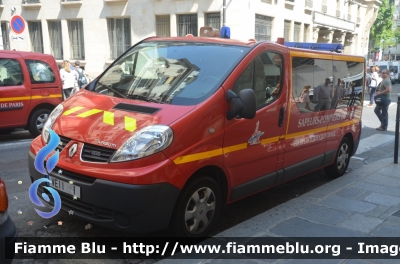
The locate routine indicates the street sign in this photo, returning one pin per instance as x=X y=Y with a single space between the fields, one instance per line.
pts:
x=17 y=24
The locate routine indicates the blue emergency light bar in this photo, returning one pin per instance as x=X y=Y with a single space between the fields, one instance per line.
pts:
x=334 y=47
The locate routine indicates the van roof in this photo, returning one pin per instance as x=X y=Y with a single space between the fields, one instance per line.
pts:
x=27 y=54
x=225 y=41
x=249 y=43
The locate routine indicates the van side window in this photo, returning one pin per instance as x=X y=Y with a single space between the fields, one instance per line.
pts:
x=40 y=72
x=325 y=84
x=349 y=79
x=10 y=73
x=263 y=75
x=312 y=86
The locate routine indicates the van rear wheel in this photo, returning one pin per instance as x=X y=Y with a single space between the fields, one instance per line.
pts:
x=37 y=120
x=342 y=160
x=198 y=208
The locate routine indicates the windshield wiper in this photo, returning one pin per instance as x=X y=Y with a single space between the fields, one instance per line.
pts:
x=143 y=98
x=108 y=86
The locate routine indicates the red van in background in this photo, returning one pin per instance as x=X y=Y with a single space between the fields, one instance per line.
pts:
x=30 y=88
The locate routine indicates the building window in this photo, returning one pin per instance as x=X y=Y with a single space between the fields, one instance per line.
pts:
x=163 y=26
x=263 y=27
x=187 y=24
x=35 y=34
x=306 y=32
x=5 y=35
x=119 y=35
x=296 y=32
x=286 y=30
x=56 y=39
x=76 y=39
x=213 y=20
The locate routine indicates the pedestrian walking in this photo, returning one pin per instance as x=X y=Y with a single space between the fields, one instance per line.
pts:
x=373 y=84
x=322 y=96
x=381 y=110
x=69 y=78
x=367 y=79
x=82 y=77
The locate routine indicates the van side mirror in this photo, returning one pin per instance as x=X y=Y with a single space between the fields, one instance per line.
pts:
x=243 y=105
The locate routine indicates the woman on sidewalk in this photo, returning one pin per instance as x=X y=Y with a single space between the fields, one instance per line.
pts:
x=69 y=78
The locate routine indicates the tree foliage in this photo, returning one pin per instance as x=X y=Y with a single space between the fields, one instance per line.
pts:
x=397 y=35
x=382 y=30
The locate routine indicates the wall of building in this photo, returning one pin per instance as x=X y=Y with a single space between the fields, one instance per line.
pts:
x=352 y=31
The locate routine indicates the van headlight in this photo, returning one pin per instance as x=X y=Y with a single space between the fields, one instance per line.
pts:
x=145 y=142
x=50 y=121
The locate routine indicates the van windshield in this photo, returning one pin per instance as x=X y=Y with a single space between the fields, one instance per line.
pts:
x=179 y=73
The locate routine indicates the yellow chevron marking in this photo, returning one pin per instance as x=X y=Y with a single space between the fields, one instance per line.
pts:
x=24 y=98
x=217 y=152
x=235 y=148
x=89 y=113
x=269 y=140
x=198 y=156
x=73 y=110
x=130 y=124
x=47 y=96
x=108 y=118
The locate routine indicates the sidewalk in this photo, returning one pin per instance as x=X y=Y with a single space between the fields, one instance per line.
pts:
x=362 y=203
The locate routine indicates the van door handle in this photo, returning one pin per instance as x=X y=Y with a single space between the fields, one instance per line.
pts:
x=281 y=116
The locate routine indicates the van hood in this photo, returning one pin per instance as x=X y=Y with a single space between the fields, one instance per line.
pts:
x=109 y=121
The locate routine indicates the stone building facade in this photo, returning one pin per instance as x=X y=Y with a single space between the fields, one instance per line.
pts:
x=97 y=31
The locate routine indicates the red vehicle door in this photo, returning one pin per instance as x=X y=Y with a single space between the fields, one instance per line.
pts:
x=306 y=134
x=251 y=146
x=44 y=78
x=15 y=92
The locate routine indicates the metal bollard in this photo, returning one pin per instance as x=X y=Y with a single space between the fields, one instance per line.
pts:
x=396 y=136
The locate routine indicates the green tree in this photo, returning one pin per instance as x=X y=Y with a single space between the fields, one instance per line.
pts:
x=381 y=33
x=397 y=35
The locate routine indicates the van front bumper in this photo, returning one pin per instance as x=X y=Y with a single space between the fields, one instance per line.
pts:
x=8 y=236
x=118 y=206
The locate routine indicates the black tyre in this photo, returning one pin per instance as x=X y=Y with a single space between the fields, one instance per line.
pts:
x=37 y=120
x=197 y=209
x=6 y=131
x=342 y=159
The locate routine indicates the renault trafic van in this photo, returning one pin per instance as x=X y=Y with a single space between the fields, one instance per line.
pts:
x=178 y=127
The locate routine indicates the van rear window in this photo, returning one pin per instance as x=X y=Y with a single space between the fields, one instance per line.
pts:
x=179 y=73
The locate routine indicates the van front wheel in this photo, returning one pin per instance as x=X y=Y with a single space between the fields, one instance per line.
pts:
x=342 y=159
x=37 y=120
x=197 y=209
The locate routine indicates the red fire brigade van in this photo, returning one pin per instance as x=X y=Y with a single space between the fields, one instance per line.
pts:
x=178 y=127
x=30 y=88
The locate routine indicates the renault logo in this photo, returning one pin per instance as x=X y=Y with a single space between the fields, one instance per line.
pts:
x=72 y=150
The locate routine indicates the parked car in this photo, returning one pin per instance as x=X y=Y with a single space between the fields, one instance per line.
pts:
x=7 y=226
x=30 y=88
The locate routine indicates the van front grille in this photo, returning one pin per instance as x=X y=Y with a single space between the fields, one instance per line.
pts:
x=63 y=142
x=94 y=153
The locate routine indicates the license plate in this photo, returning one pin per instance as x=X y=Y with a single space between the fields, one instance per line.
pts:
x=65 y=187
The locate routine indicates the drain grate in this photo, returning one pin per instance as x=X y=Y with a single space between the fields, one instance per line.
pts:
x=397 y=213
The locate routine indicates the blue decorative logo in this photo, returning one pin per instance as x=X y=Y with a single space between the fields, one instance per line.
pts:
x=50 y=164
